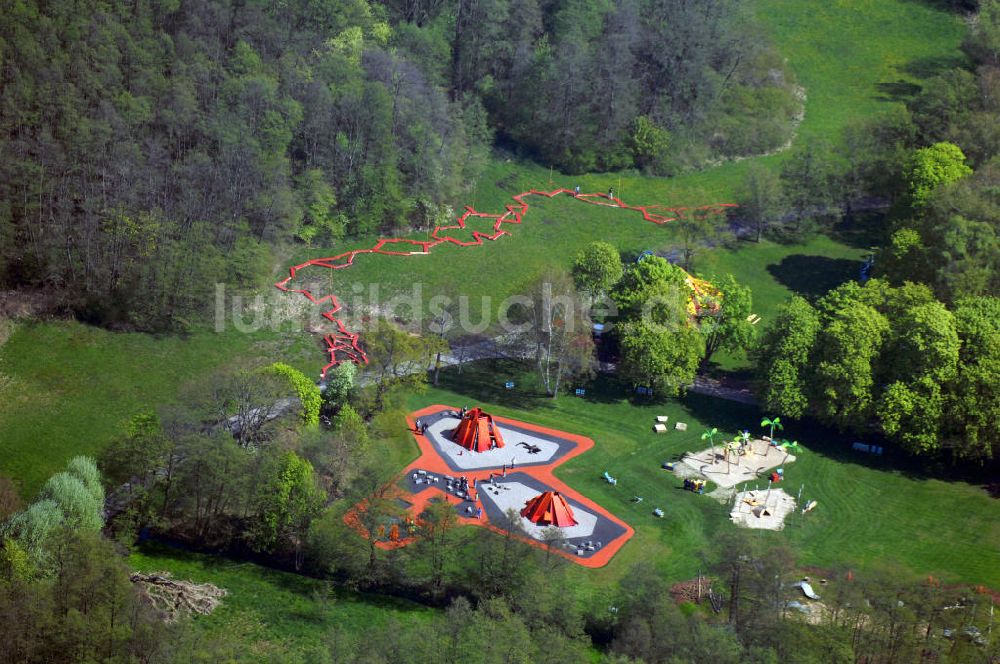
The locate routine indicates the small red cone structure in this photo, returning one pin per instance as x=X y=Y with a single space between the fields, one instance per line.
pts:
x=549 y=509
x=477 y=432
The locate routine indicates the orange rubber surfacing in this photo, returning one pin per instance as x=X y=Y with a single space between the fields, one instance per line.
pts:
x=343 y=345
x=430 y=460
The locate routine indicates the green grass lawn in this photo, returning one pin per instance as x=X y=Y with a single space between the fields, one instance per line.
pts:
x=74 y=387
x=554 y=231
x=277 y=616
x=869 y=515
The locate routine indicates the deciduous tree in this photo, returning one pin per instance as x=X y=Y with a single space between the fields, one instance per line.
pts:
x=597 y=268
x=933 y=167
x=728 y=327
x=783 y=357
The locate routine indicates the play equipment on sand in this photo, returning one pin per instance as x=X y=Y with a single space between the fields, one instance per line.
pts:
x=698 y=486
x=807 y=589
x=477 y=432
x=549 y=509
x=342 y=344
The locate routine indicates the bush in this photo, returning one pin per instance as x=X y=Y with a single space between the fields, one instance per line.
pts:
x=305 y=389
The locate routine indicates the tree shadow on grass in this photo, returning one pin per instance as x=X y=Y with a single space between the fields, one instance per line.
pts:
x=899 y=90
x=485 y=380
x=950 y=6
x=813 y=276
x=862 y=230
x=934 y=65
x=730 y=416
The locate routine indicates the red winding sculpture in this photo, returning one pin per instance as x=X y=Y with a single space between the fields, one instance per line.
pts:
x=347 y=343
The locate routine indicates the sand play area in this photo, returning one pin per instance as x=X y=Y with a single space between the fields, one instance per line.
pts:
x=762 y=509
x=760 y=458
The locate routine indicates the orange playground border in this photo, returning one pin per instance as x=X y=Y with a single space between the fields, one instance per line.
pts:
x=431 y=460
x=346 y=345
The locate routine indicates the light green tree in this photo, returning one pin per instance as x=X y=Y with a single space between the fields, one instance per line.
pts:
x=932 y=167
x=783 y=357
x=649 y=143
x=665 y=360
x=321 y=223
x=597 y=268
x=729 y=328
x=912 y=413
x=288 y=498
x=34 y=528
x=972 y=429
x=15 y=561
x=85 y=469
x=848 y=348
x=78 y=504
x=305 y=389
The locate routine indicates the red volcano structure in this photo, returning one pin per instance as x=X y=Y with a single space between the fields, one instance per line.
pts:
x=549 y=509
x=477 y=432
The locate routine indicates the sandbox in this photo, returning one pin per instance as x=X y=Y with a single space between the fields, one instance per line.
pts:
x=766 y=508
x=711 y=465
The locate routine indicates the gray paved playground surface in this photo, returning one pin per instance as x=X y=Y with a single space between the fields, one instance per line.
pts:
x=518 y=443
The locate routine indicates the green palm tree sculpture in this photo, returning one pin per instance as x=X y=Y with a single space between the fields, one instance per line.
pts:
x=788 y=447
x=732 y=449
x=774 y=423
x=744 y=438
x=710 y=435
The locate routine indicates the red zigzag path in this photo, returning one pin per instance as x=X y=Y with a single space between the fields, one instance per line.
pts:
x=344 y=345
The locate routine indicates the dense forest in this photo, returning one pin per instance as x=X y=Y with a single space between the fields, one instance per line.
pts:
x=153 y=148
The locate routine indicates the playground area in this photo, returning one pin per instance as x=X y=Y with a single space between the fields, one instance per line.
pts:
x=764 y=508
x=523 y=446
x=508 y=485
x=727 y=465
